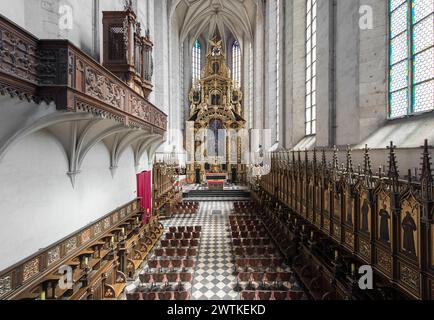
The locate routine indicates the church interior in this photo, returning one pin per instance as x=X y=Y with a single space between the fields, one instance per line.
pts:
x=216 y=150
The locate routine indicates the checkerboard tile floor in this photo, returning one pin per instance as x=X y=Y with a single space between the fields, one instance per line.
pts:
x=213 y=278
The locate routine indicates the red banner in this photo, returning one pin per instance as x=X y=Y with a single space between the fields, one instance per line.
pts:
x=144 y=192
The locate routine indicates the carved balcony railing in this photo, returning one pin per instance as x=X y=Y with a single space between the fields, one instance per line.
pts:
x=55 y=70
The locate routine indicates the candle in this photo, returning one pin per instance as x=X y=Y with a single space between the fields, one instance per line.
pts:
x=112 y=240
x=336 y=254
x=123 y=231
x=86 y=261
x=303 y=228
x=353 y=268
x=295 y=221
x=311 y=235
x=42 y=296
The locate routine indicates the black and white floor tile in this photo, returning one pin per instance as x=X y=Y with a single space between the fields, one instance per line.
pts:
x=213 y=278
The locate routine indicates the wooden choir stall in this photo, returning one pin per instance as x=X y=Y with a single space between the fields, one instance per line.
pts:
x=93 y=264
x=329 y=221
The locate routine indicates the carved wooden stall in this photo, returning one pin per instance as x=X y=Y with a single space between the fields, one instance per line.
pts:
x=166 y=193
x=92 y=264
x=336 y=219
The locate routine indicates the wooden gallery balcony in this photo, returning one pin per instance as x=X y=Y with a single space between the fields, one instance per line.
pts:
x=57 y=71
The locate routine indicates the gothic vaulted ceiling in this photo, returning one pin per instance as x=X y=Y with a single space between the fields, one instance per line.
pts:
x=210 y=17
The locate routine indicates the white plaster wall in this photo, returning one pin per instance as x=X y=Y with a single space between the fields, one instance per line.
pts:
x=41 y=18
x=373 y=73
x=347 y=73
x=161 y=56
x=38 y=204
x=299 y=71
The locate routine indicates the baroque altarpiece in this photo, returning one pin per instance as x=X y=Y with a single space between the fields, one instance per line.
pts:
x=216 y=116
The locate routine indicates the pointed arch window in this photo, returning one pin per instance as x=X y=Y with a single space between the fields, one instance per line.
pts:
x=311 y=67
x=236 y=63
x=196 y=61
x=411 y=57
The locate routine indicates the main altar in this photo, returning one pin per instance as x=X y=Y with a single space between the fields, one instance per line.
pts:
x=216 y=114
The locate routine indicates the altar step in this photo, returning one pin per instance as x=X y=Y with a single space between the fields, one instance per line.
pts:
x=217 y=195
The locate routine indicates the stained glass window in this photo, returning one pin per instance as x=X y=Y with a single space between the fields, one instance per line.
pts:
x=236 y=63
x=196 y=61
x=411 y=57
x=311 y=24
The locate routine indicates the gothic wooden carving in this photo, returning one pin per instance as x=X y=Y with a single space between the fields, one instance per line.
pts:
x=55 y=70
x=27 y=278
x=379 y=219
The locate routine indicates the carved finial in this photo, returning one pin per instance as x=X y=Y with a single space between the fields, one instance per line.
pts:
x=426 y=174
x=128 y=5
x=139 y=28
x=393 y=173
x=323 y=159
x=335 y=158
x=349 y=160
x=367 y=170
x=314 y=160
x=409 y=177
x=299 y=158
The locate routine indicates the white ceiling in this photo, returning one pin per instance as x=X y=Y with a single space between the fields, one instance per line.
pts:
x=205 y=17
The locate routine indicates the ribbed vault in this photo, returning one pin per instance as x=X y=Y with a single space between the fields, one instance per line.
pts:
x=210 y=17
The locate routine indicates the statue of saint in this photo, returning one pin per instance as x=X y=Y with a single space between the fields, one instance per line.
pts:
x=409 y=227
x=192 y=104
x=384 y=224
x=365 y=212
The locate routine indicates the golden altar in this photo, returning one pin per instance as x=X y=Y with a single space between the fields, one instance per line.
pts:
x=217 y=118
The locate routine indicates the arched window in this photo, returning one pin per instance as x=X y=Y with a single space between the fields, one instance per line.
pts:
x=236 y=64
x=196 y=61
x=311 y=67
x=411 y=57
